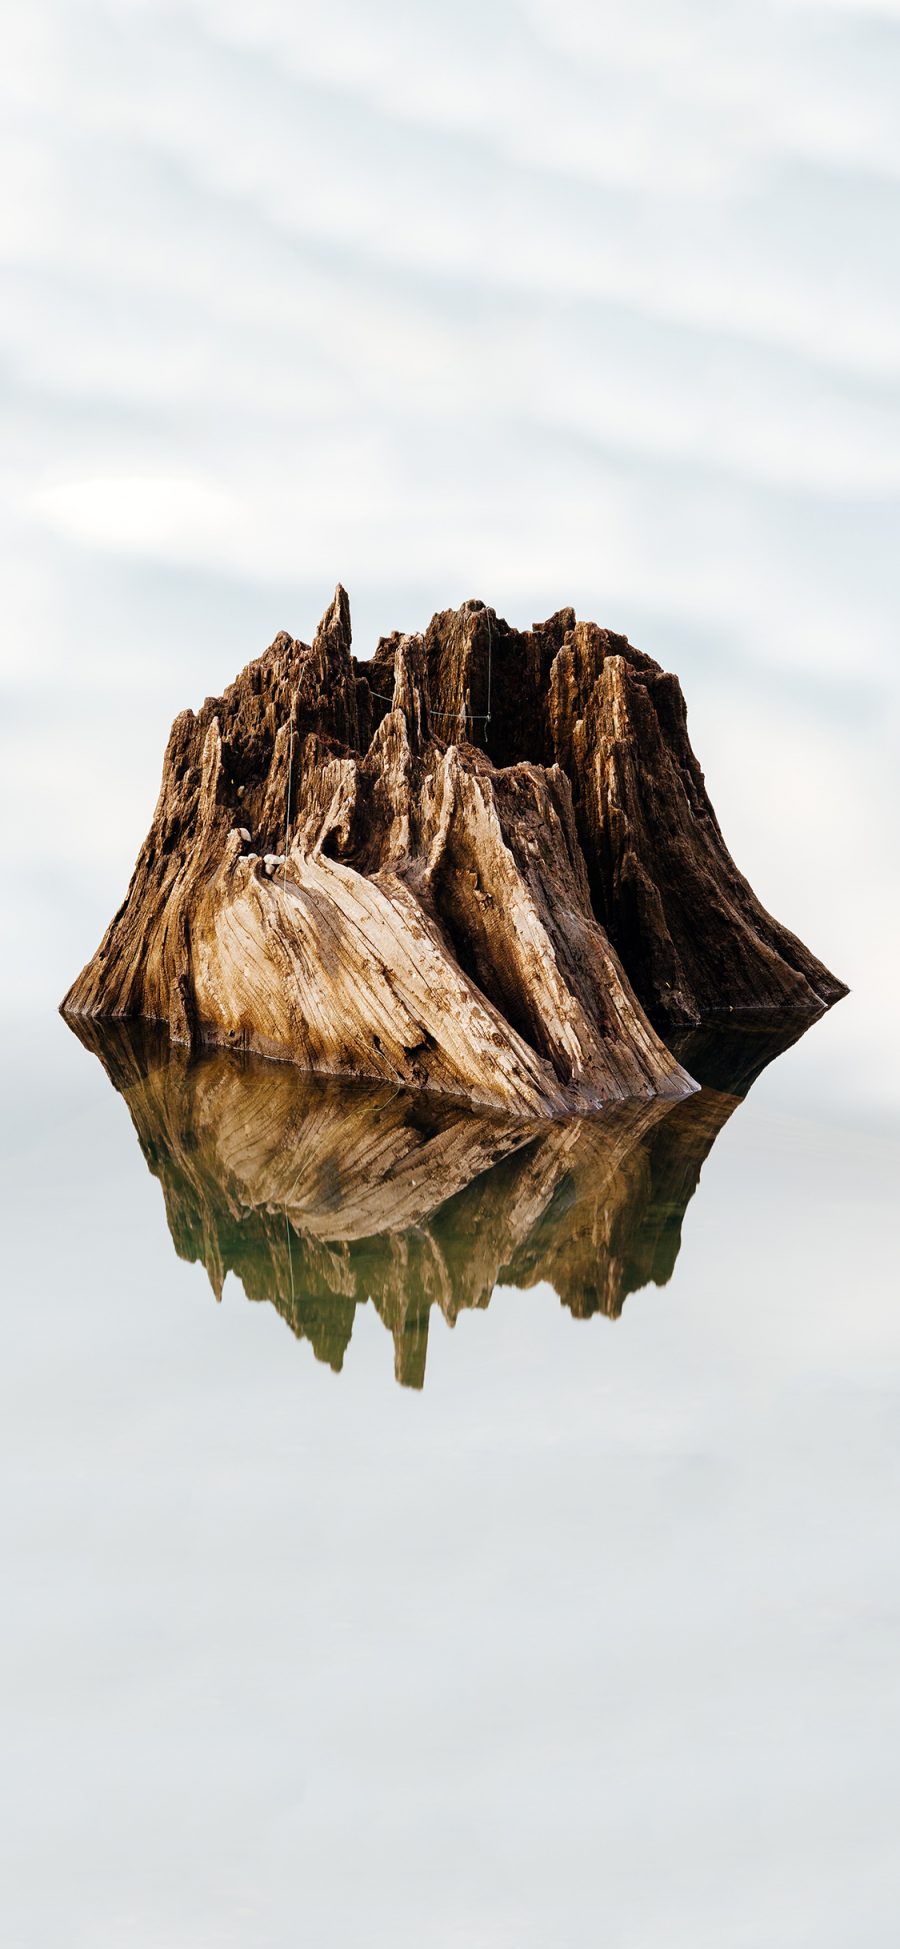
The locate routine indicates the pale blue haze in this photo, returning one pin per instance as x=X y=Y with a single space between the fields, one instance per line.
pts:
x=596 y=1640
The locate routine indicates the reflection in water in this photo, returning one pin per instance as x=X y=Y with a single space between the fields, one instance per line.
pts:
x=321 y=1196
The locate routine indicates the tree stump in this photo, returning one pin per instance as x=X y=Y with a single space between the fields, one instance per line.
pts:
x=484 y=864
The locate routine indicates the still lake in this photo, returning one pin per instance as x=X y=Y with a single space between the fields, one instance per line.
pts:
x=506 y=1559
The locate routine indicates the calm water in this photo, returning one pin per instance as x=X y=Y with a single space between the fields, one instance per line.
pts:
x=586 y=1632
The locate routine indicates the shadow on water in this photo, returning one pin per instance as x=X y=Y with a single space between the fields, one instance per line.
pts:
x=321 y=1196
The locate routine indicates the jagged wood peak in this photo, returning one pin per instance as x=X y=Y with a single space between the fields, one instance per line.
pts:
x=501 y=863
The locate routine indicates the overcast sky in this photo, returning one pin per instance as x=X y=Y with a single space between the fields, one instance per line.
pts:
x=598 y=303
x=542 y=302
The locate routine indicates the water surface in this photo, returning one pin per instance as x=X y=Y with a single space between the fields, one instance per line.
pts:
x=586 y=1632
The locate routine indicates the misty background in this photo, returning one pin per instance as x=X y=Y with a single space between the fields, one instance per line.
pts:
x=594 y=1640
x=546 y=303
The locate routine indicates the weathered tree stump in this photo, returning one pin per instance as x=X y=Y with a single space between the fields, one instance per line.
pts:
x=484 y=864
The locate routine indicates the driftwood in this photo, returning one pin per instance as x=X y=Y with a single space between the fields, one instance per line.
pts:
x=321 y=1196
x=484 y=864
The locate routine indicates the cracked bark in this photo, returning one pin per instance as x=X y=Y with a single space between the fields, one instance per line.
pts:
x=497 y=910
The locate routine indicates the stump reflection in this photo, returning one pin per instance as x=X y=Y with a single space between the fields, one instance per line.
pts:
x=322 y=1196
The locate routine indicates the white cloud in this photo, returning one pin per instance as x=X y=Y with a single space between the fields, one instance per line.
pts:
x=545 y=304
x=142 y=515
x=648 y=163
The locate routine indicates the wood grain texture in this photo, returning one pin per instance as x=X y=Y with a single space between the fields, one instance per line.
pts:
x=493 y=907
